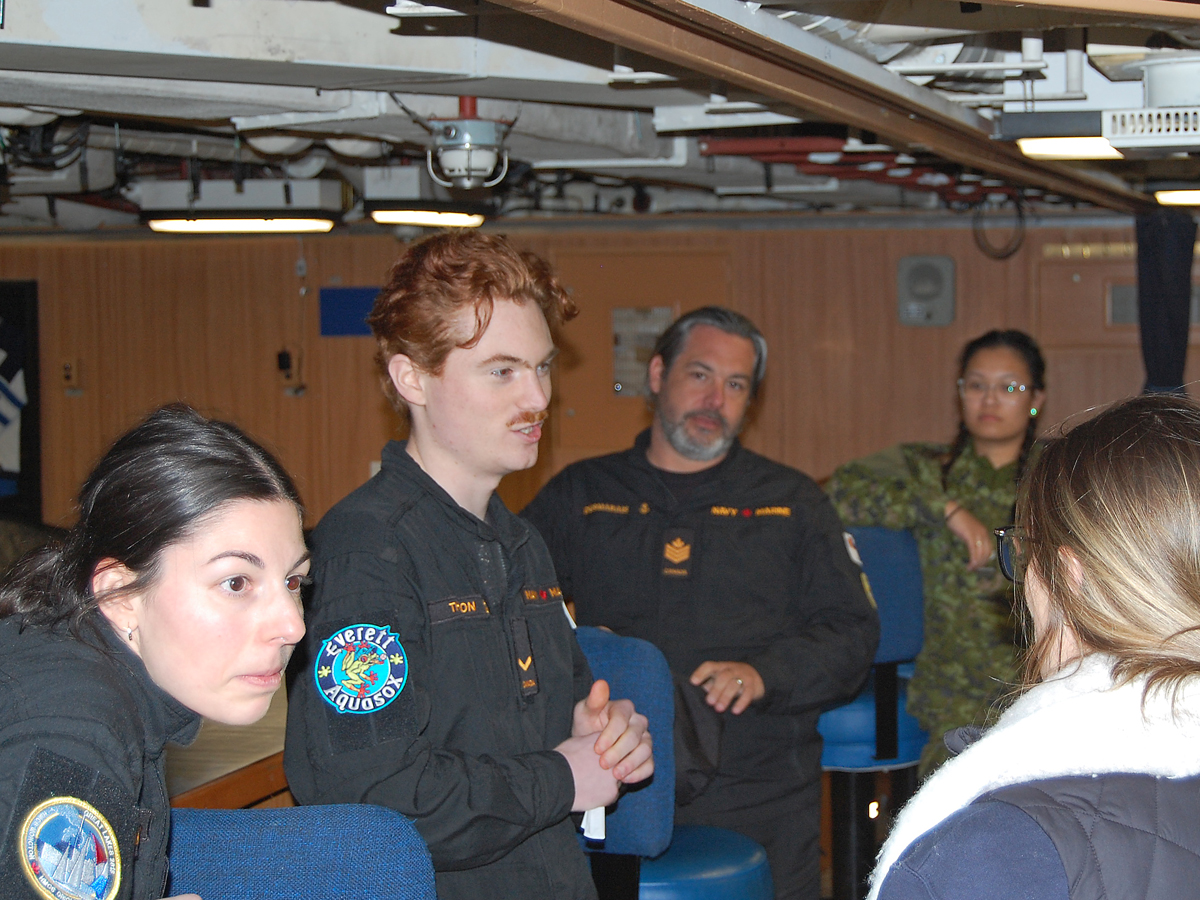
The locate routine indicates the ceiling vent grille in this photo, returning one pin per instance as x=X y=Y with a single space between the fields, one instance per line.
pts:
x=1173 y=128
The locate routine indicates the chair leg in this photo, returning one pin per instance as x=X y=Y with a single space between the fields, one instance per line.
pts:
x=904 y=785
x=616 y=875
x=854 y=845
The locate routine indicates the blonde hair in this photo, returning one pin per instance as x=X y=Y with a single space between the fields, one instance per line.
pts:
x=1120 y=494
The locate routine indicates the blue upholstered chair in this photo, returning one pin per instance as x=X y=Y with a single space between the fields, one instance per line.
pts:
x=345 y=852
x=643 y=854
x=874 y=732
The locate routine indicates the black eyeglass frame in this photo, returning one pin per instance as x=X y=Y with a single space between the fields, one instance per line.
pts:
x=1008 y=553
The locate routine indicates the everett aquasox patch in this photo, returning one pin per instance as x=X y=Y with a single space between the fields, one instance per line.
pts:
x=361 y=669
x=69 y=851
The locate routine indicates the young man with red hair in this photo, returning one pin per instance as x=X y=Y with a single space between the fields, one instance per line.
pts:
x=441 y=677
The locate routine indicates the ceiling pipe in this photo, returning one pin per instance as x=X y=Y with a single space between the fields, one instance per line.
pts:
x=677 y=160
x=1031 y=47
x=1166 y=10
x=758 y=52
x=1073 y=59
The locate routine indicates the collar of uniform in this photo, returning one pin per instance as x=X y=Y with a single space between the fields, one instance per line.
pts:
x=982 y=468
x=641 y=444
x=501 y=525
x=165 y=718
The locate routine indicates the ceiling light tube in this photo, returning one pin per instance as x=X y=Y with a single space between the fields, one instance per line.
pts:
x=239 y=225
x=1068 y=148
x=1178 y=197
x=427 y=218
x=427 y=213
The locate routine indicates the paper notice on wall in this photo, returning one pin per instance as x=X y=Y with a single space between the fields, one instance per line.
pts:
x=635 y=331
x=12 y=399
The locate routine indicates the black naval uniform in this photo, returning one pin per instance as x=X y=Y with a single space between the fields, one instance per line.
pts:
x=745 y=561
x=493 y=673
x=86 y=722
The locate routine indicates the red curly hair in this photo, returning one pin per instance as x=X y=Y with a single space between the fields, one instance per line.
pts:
x=422 y=311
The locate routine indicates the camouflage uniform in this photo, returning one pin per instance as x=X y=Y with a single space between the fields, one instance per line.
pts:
x=969 y=657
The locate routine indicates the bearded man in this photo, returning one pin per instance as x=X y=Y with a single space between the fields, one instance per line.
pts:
x=737 y=568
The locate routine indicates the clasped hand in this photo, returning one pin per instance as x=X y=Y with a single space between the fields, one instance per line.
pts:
x=609 y=746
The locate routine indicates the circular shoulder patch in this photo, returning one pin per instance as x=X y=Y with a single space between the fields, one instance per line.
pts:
x=361 y=669
x=69 y=851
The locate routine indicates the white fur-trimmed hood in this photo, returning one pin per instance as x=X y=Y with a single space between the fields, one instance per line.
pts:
x=1076 y=723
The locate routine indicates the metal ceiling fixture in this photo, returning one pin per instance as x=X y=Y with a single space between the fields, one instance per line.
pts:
x=470 y=151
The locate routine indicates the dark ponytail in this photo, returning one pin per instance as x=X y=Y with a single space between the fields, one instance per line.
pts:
x=1025 y=347
x=151 y=490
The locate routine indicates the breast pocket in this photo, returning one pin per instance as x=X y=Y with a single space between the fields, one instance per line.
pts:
x=469 y=676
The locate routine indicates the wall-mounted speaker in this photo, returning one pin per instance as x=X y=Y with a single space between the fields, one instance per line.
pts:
x=925 y=290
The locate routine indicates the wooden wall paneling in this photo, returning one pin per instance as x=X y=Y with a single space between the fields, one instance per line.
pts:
x=1069 y=321
x=846 y=377
x=155 y=320
x=750 y=264
x=194 y=321
x=71 y=434
x=604 y=272
x=1086 y=378
x=1092 y=362
x=351 y=419
x=593 y=418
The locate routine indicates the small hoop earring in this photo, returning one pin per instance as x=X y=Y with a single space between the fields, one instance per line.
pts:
x=129 y=633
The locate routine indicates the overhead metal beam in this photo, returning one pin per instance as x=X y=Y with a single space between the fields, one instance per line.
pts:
x=1159 y=10
x=729 y=41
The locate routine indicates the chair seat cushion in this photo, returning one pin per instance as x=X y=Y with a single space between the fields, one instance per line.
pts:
x=340 y=852
x=706 y=863
x=849 y=735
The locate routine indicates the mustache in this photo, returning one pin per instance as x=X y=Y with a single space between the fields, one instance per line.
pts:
x=707 y=414
x=530 y=418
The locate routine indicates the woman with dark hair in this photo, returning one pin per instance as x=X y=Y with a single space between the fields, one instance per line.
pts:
x=1088 y=786
x=176 y=595
x=951 y=497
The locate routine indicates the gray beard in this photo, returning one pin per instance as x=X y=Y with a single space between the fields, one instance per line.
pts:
x=678 y=437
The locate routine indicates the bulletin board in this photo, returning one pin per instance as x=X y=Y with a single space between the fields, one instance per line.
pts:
x=20 y=403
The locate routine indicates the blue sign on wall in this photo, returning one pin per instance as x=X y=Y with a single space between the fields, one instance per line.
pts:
x=344 y=310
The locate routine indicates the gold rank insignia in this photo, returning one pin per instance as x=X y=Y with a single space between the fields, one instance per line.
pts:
x=677 y=552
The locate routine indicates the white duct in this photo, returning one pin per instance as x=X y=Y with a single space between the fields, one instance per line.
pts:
x=1173 y=82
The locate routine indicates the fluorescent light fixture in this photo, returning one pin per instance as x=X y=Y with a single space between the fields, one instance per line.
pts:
x=427 y=213
x=1068 y=148
x=256 y=206
x=240 y=226
x=427 y=218
x=1178 y=198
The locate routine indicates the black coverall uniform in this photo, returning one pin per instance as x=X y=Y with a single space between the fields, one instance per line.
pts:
x=751 y=566
x=491 y=677
x=85 y=722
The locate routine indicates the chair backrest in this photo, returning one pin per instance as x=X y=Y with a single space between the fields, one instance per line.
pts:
x=892 y=562
x=644 y=817
x=332 y=852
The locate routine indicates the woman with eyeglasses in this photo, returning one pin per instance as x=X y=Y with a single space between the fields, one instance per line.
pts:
x=176 y=595
x=951 y=497
x=1088 y=786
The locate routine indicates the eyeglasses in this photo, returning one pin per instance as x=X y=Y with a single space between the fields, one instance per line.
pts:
x=976 y=390
x=1011 y=552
